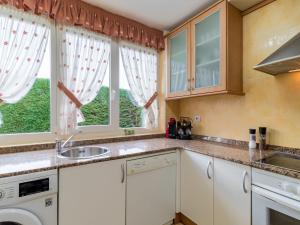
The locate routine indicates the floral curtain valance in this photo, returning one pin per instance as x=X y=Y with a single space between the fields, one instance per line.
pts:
x=77 y=12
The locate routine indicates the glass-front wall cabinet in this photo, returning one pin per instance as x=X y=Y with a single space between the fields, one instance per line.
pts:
x=178 y=68
x=205 y=54
x=207 y=62
x=208 y=47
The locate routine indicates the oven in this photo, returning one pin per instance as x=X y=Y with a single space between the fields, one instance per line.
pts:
x=275 y=199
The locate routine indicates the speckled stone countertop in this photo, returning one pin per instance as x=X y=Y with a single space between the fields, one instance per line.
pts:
x=35 y=161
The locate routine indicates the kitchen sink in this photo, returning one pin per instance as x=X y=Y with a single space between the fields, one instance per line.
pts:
x=85 y=152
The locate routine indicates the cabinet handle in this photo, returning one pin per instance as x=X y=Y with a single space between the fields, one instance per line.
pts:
x=123 y=173
x=244 y=182
x=207 y=170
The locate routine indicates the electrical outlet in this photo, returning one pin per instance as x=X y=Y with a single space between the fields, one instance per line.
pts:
x=197 y=119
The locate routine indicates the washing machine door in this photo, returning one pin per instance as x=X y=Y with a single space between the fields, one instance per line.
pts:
x=18 y=217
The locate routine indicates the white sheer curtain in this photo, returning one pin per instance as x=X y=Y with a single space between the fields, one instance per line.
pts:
x=83 y=60
x=23 y=41
x=140 y=65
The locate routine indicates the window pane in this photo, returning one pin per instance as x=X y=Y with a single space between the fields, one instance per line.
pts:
x=130 y=112
x=32 y=113
x=98 y=111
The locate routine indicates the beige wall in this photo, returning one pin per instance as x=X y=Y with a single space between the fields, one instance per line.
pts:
x=269 y=101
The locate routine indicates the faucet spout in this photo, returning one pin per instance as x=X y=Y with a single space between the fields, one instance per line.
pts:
x=67 y=141
x=60 y=145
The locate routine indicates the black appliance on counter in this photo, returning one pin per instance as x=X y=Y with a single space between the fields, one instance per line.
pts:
x=181 y=130
x=184 y=128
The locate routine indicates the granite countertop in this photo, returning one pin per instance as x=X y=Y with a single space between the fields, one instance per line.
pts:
x=35 y=161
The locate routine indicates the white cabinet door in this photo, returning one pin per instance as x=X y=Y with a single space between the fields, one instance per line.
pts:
x=197 y=187
x=92 y=194
x=232 y=194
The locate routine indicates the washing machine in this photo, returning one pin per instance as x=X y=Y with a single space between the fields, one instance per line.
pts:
x=29 y=199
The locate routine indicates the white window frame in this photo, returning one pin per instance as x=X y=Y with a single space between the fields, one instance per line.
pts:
x=113 y=97
x=113 y=129
x=35 y=137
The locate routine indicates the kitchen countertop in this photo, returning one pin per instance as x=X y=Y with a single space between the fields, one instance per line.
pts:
x=35 y=161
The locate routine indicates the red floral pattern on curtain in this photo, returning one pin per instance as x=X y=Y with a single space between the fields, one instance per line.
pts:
x=77 y=12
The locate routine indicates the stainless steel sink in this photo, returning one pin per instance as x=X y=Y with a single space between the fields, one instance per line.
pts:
x=86 y=152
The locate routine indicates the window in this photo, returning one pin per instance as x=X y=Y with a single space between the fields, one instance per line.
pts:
x=98 y=111
x=138 y=87
x=24 y=73
x=84 y=59
x=93 y=93
x=131 y=114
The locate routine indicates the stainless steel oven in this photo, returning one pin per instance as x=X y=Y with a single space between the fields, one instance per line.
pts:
x=275 y=199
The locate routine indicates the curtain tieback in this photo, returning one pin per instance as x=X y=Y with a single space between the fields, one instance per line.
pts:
x=69 y=94
x=151 y=100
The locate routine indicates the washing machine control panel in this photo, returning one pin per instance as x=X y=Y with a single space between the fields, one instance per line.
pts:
x=29 y=186
x=34 y=187
x=22 y=189
x=7 y=192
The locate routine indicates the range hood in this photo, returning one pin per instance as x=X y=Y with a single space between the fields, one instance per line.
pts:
x=285 y=59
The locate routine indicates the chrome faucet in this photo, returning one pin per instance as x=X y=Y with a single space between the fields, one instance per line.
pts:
x=60 y=145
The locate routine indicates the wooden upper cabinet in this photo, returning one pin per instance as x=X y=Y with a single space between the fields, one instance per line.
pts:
x=208 y=55
x=215 y=45
x=179 y=62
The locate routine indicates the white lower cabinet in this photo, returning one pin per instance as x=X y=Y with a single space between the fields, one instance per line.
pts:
x=92 y=194
x=215 y=191
x=232 y=193
x=212 y=192
x=197 y=187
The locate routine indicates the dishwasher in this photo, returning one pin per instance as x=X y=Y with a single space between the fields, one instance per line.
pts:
x=151 y=190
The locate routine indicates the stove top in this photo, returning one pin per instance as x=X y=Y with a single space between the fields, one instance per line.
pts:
x=284 y=160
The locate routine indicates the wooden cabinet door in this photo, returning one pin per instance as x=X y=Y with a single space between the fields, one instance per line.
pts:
x=92 y=194
x=208 y=47
x=197 y=187
x=232 y=193
x=178 y=83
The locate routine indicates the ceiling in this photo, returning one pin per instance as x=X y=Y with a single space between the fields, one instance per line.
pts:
x=244 y=4
x=159 y=14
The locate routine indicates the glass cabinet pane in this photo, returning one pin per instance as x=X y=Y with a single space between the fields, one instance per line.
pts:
x=178 y=62
x=207 y=54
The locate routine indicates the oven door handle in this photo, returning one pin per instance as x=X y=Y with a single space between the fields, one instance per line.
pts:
x=279 y=199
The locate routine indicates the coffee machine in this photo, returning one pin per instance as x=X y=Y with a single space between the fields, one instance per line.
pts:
x=184 y=128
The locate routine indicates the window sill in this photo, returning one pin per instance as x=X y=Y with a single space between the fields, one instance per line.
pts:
x=9 y=140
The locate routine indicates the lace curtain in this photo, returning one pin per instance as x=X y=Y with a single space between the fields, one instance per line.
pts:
x=83 y=58
x=23 y=41
x=140 y=65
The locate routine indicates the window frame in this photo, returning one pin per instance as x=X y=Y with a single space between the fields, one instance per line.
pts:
x=113 y=129
x=48 y=136
x=113 y=98
x=139 y=47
